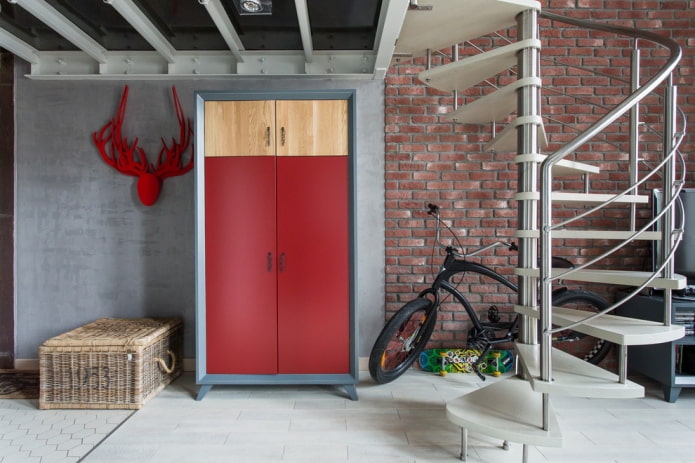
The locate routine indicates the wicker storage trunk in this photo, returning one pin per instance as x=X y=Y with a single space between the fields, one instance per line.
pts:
x=110 y=363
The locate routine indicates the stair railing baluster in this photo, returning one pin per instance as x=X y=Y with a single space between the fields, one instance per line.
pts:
x=454 y=58
x=634 y=132
x=669 y=180
x=622 y=363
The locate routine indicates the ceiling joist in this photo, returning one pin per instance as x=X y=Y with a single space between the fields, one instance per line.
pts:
x=224 y=25
x=18 y=47
x=304 y=29
x=393 y=15
x=63 y=26
x=144 y=26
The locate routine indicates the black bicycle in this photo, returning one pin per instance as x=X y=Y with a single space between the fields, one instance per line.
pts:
x=405 y=335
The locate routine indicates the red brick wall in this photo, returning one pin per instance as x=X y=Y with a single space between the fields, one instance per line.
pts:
x=429 y=159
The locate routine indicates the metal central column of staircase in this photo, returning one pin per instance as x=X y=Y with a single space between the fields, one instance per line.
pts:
x=518 y=408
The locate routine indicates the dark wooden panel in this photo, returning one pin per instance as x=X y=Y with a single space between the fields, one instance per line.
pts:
x=7 y=321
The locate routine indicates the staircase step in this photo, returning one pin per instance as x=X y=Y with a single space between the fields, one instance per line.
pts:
x=564 y=168
x=574 y=377
x=494 y=106
x=463 y=74
x=506 y=140
x=614 y=328
x=592 y=234
x=615 y=277
x=508 y=409
x=436 y=24
x=583 y=198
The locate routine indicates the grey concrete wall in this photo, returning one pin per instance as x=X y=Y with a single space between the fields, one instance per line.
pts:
x=85 y=246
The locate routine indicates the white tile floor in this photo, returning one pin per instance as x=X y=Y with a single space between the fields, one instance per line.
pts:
x=30 y=435
x=400 y=422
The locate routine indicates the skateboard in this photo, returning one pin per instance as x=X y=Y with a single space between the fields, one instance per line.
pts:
x=445 y=361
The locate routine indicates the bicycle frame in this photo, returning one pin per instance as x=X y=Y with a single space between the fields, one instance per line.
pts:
x=453 y=266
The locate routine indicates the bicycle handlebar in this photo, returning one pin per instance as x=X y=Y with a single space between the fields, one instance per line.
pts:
x=433 y=210
x=510 y=245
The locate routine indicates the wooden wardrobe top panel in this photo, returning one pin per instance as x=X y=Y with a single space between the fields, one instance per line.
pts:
x=311 y=127
x=281 y=127
x=240 y=128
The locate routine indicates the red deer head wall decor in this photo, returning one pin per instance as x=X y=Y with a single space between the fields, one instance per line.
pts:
x=130 y=159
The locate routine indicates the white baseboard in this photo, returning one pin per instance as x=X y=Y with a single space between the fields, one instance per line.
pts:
x=364 y=363
x=188 y=364
x=26 y=364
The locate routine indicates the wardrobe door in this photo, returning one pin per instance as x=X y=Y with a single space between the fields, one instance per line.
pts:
x=240 y=128
x=311 y=127
x=313 y=273
x=240 y=265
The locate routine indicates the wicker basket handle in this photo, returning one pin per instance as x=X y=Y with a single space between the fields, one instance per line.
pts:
x=163 y=365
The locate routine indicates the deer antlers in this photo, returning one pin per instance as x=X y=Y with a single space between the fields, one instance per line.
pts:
x=130 y=159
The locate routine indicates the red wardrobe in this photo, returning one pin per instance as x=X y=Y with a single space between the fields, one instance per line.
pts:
x=275 y=293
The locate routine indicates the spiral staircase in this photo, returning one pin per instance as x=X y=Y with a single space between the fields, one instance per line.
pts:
x=518 y=408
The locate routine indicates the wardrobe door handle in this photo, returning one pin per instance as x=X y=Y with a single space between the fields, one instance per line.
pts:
x=267 y=136
x=282 y=136
x=270 y=261
x=282 y=262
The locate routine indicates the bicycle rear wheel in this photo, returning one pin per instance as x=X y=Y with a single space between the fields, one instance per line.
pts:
x=402 y=339
x=581 y=345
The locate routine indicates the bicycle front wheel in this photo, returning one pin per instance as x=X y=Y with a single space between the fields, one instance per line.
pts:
x=581 y=345
x=401 y=340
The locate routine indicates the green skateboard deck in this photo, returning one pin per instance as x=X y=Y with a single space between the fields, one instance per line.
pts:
x=445 y=361
x=453 y=360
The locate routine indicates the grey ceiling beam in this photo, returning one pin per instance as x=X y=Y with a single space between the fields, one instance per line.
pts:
x=305 y=29
x=390 y=23
x=194 y=64
x=145 y=28
x=18 y=47
x=224 y=26
x=63 y=26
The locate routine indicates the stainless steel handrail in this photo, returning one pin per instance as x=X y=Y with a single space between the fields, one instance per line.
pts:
x=633 y=98
x=678 y=234
x=654 y=172
x=547 y=165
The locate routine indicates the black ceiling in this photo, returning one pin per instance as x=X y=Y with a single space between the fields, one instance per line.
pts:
x=336 y=25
